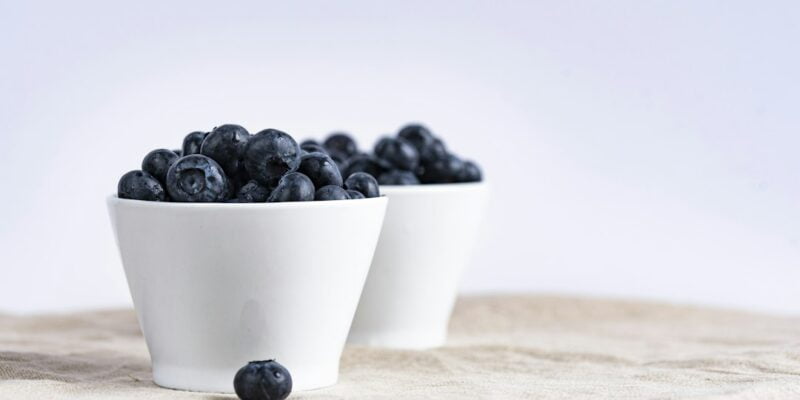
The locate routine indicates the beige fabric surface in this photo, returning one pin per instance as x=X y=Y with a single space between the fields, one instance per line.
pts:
x=499 y=347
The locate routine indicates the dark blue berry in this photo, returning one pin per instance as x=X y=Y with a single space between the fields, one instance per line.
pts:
x=470 y=172
x=270 y=154
x=229 y=192
x=293 y=186
x=139 y=185
x=398 y=153
x=363 y=163
x=364 y=183
x=263 y=380
x=339 y=160
x=309 y=142
x=225 y=144
x=419 y=136
x=331 y=192
x=444 y=170
x=355 y=194
x=197 y=178
x=253 y=192
x=341 y=144
x=239 y=178
x=434 y=151
x=313 y=148
x=321 y=169
x=157 y=163
x=382 y=144
x=192 y=143
x=398 y=177
x=179 y=152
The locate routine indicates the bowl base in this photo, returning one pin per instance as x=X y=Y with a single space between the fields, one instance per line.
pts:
x=221 y=381
x=398 y=340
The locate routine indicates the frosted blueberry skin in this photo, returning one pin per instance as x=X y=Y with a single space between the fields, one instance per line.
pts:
x=269 y=155
x=355 y=195
x=253 y=192
x=192 y=143
x=363 y=183
x=444 y=170
x=418 y=135
x=364 y=163
x=321 y=169
x=179 y=152
x=197 y=178
x=312 y=148
x=263 y=380
x=225 y=145
x=341 y=144
x=434 y=151
x=398 y=177
x=294 y=186
x=331 y=192
x=139 y=185
x=470 y=172
x=398 y=153
x=157 y=163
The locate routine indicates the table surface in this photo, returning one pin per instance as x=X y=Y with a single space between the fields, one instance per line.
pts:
x=499 y=347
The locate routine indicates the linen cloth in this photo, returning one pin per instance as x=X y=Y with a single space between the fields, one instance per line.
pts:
x=514 y=347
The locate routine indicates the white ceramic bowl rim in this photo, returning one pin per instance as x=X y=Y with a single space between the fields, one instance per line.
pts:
x=246 y=206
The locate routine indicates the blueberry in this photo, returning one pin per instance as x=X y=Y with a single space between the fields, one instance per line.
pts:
x=419 y=136
x=331 y=192
x=294 y=186
x=399 y=153
x=382 y=144
x=434 y=151
x=270 y=154
x=253 y=192
x=313 y=148
x=240 y=177
x=192 y=142
x=157 y=163
x=225 y=144
x=139 y=185
x=341 y=144
x=321 y=169
x=230 y=190
x=179 y=152
x=444 y=170
x=398 y=177
x=354 y=194
x=470 y=172
x=197 y=178
x=339 y=160
x=364 y=183
x=363 y=163
x=309 y=142
x=263 y=380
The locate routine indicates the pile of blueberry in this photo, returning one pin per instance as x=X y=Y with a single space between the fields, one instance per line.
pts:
x=230 y=165
x=411 y=157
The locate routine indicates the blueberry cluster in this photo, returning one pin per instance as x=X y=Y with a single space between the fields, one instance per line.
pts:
x=230 y=165
x=411 y=157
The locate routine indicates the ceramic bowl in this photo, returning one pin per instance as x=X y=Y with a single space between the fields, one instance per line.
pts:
x=218 y=285
x=427 y=238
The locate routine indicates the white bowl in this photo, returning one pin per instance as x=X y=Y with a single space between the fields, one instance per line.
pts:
x=426 y=242
x=218 y=285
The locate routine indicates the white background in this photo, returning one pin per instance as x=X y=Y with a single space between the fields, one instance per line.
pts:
x=635 y=149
